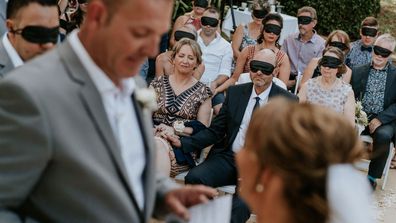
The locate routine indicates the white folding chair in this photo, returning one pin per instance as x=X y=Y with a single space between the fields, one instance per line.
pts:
x=364 y=163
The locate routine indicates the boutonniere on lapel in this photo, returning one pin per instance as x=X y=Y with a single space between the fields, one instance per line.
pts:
x=147 y=98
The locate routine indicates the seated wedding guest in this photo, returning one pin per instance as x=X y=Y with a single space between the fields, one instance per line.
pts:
x=339 y=39
x=361 y=49
x=193 y=18
x=297 y=166
x=301 y=47
x=184 y=106
x=268 y=39
x=32 y=30
x=164 y=63
x=228 y=128
x=217 y=56
x=71 y=21
x=247 y=34
x=374 y=85
x=328 y=90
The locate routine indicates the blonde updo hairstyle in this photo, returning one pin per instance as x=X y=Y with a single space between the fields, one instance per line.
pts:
x=298 y=142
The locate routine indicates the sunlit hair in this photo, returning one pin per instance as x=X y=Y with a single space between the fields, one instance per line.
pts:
x=308 y=9
x=213 y=10
x=194 y=47
x=298 y=142
x=270 y=16
x=342 y=36
x=260 y=4
x=370 y=21
x=388 y=38
x=340 y=55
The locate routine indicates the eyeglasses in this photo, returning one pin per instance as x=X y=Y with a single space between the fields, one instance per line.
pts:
x=263 y=67
x=209 y=21
x=272 y=28
x=38 y=34
x=383 y=52
x=304 y=20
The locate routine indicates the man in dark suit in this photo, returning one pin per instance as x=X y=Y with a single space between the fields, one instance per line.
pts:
x=375 y=85
x=228 y=128
x=76 y=130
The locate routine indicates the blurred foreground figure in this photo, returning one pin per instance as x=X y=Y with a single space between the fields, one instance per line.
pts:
x=296 y=166
x=75 y=125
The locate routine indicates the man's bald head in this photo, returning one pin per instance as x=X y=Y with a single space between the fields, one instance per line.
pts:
x=265 y=55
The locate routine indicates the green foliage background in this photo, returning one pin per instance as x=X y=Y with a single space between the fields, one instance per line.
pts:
x=336 y=14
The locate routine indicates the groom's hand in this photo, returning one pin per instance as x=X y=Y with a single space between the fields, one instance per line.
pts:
x=179 y=200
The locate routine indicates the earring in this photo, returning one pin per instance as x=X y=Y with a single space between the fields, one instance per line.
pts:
x=259 y=188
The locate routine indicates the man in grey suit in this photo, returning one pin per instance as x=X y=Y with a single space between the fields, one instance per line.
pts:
x=75 y=125
x=32 y=30
x=3 y=27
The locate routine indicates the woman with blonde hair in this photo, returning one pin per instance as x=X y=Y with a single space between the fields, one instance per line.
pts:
x=184 y=107
x=328 y=90
x=296 y=166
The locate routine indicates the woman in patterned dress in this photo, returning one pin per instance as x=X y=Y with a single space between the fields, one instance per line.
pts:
x=327 y=89
x=247 y=34
x=268 y=39
x=182 y=100
x=339 y=39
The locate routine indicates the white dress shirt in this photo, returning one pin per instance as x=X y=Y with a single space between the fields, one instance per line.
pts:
x=12 y=53
x=122 y=117
x=240 y=137
x=217 y=58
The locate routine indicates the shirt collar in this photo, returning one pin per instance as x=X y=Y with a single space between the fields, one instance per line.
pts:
x=313 y=39
x=217 y=38
x=263 y=95
x=98 y=76
x=12 y=53
x=383 y=69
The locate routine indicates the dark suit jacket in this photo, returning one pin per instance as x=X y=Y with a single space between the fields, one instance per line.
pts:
x=359 y=81
x=226 y=124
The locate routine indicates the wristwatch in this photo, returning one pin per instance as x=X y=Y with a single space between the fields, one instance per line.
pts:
x=179 y=127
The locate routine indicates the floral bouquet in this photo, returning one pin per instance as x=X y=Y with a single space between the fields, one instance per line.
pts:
x=361 y=120
x=360 y=115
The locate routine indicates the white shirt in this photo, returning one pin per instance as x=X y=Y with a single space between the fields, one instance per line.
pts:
x=240 y=137
x=122 y=117
x=12 y=53
x=217 y=57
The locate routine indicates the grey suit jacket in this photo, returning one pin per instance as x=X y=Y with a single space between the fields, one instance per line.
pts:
x=59 y=160
x=3 y=7
x=6 y=64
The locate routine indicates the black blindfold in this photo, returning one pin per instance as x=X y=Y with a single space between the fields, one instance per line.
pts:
x=182 y=34
x=367 y=31
x=201 y=3
x=39 y=34
x=82 y=1
x=259 y=14
x=209 y=21
x=263 y=67
x=272 y=28
x=331 y=62
x=340 y=45
x=304 y=20
x=382 y=51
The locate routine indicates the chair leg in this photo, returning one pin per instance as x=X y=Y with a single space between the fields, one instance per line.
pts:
x=387 y=165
